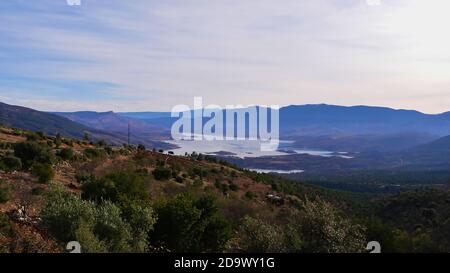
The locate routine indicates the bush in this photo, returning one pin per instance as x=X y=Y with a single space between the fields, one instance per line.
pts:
x=234 y=187
x=101 y=143
x=66 y=154
x=37 y=191
x=89 y=242
x=30 y=152
x=111 y=228
x=141 y=147
x=179 y=179
x=33 y=137
x=256 y=236
x=198 y=183
x=325 y=231
x=12 y=163
x=5 y=192
x=162 y=174
x=190 y=224
x=44 y=172
x=63 y=213
x=98 y=227
x=118 y=187
x=250 y=195
x=94 y=153
x=196 y=171
x=141 y=218
x=5 y=226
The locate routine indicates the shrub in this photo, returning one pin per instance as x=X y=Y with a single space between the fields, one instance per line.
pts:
x=162 y=174
x=111 y=228
x=98 y=227
x=37 y=191
x=94 y=153
x=30 y=152
x=141 y=218
x=63 y=213
x=5 y=192
x=68 y=142
x=86 y=136
x=44 y=172
x=250 y=195
x=101 y=143
x=196 y=171
x=58 y=140
x=141 y=147
x=89 y=242
x=66 y=153
x=99 y=189
x=83 y=177
x=118 y=187
x=190 y=224
x=12 y=163
x=225 y=188
x=5 y=226
x=234 y=187
x=179 y=179
x=33 y=137
x=325 y=231
x=256 y=236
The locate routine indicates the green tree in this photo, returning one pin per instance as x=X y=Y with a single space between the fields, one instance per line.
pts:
x=186 y=223
x=162 y=173
x=58 y=140
x=98 y=227
x=256 y=236
x=64 y=213
x=5 y=192
x=141 y=218
x=30 y=152
x=324 y=230
x=43 y=171
x=86 y=136
x=5 y=226
x=118 y=187
x=12 y=163
x=66 y=153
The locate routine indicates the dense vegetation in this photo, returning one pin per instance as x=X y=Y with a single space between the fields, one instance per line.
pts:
x=127 y=199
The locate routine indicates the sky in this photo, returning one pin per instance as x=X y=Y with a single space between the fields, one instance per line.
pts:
x=146 y=55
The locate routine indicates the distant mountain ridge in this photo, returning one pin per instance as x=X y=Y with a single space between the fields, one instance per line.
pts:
x=141 y=131
x=52 y=124
x=26 y=118
x=325 y=119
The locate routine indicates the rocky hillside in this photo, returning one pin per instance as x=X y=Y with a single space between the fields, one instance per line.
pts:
x=126 y=199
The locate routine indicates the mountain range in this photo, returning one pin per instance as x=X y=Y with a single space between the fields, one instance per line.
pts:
x=324 y=119
x=377 y=136
x=99 y=126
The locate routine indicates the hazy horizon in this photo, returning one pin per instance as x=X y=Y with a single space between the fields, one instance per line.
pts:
x=282 y=106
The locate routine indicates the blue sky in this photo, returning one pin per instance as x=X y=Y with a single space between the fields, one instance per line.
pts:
x=144 y=55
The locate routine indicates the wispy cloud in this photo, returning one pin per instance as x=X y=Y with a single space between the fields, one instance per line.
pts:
x=150 y=55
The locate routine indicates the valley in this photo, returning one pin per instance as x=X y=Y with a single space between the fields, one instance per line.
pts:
x=49 y=172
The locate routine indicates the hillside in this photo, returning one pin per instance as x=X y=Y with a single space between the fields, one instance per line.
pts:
x=434 y=155
x=108 y=126
x=29 y=119
x=25 y=118
x=160 y=202
x=141 y=132
x=78 y=169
